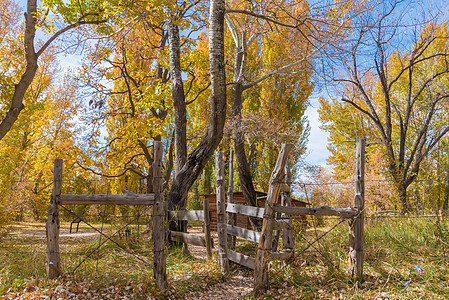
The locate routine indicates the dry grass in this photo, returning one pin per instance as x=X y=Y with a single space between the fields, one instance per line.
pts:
x=405 y=259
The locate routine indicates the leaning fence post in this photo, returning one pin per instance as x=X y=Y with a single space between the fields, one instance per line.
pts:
x=53 y=265
x=356 y=234
x=159 y=213
x=232 y=218
x=266 y=236
x=221 y=216
x=207 y=234
x=287 y=233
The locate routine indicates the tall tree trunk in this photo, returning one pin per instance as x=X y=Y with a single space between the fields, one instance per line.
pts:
x=178 y=95
x=30 y=71
x=402 y=191
x=246 y=180
x=180 y=110
x=198 y=158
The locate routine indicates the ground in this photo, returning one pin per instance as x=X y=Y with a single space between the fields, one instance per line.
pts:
x=405 y=258
x=238 y=287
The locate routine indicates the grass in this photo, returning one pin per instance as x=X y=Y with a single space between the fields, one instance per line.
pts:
x=404 y=259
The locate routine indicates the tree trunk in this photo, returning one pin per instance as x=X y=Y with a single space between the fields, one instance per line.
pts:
x=246 y=180
x=178 y=99
x=402 y=192
x=180 y=117
x=30 y=71
x=198 y=158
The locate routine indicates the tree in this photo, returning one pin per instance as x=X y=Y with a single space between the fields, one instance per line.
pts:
x=32 y=56
x=198 y=158
x=276 y=45
x=402 y=96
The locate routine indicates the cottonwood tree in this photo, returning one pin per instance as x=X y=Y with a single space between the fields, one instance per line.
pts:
x=275 y=44
x=197 y=159
x=402 y=95
x=125 y=77
x=34 y=18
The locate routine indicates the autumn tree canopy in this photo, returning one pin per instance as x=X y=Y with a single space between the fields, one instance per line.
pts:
x=395 y=96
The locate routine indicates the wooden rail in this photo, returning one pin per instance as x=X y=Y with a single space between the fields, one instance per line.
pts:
x=247 y=234
x=242 y=259
x=241 y=209
x=125 y=199
x=318 y=211
x=187 y=238
x=187 y=215
x=193 y=215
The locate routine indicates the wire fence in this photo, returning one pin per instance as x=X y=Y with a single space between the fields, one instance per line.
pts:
x=334 y=194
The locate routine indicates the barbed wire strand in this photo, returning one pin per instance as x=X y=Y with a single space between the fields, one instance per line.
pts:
x=107 y=237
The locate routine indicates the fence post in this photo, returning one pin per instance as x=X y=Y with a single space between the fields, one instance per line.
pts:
x=356 y=234
x=207 y=227
x=159 y=214
x=266 y=236
x=221 y=216
x=288 y=241
x=232 y=218
x=53 y=265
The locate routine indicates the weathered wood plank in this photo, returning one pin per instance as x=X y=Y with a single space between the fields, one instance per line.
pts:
x=221 y=216
x=207 y=234
x=183 y=237
x=283 y=254
x=288 y=240
x=251 y=211
x=356 y=234
x=242 y=259
x=261 y=279
x=348 y=212
x=125 y=199
x=159 y=213
x=243 y=233
x=232 y=218
x=53 y=264
x=187 y=215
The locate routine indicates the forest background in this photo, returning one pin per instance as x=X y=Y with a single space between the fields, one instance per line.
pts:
x=145 y=73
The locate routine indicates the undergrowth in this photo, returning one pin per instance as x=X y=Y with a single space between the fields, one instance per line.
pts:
x=404 y=259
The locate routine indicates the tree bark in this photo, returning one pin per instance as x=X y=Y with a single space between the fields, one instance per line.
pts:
x=402 y=191
x=31 y=57
x=180 y=114
x=178 y=97
x=30 y=71
x=246 y=180
x=198 y=158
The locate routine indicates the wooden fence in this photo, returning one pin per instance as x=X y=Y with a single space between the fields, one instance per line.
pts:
x=193 y=215
x=276 y=219
x=53 y=263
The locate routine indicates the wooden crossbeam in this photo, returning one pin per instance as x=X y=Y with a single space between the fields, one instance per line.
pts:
x=247 y=234
x=187 y=215
x=188 y=238
x=348 y=212
x=241 y=209
x=242 y=259
x=125 y=199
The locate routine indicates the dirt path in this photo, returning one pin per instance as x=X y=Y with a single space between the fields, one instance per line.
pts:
x=238 y=286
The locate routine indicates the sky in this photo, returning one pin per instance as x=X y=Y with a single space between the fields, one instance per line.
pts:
x=317 y=145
